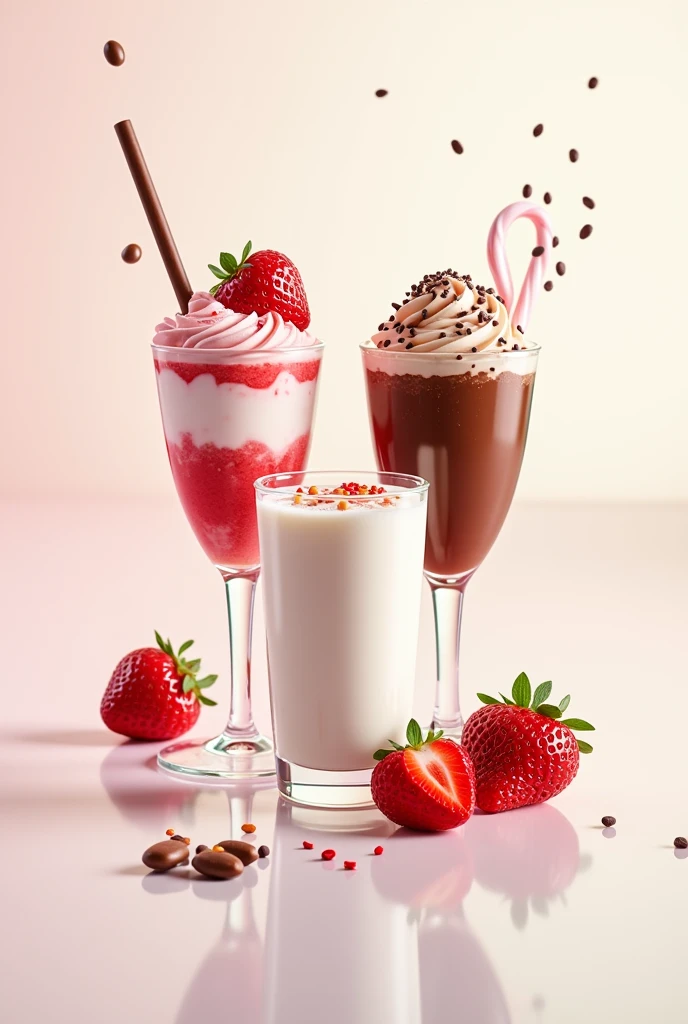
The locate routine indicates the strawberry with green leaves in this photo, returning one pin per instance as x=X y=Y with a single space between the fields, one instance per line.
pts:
x=155 y=694
x=523 y=749
x=261 y=282
x=427 y=785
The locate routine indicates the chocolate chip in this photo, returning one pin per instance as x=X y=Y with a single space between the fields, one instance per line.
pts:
x=495 y=323
x=244 y=851
x=131 y=253
x=555 y=242
x=681 y=843
x=538 y=130
x=585 y=231
x=165 y=855
x=590 y=203
x=214 y=864
x=608 y=821
x=474 y=349
x=593 y=82
x=538 y=250
x=548 y=286
x=456 y=146
x=519 y=329
x=114 y=53
x=573 y=155
x=527 y=191
x=381 y=92
x=547 y=197
x=561 y=269
x=263 y=851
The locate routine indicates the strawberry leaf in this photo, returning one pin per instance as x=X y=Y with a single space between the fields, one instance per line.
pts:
x=247 y=249
x=521 y=691
x=159 y=640
x=206 y=700
x=506 y=700
x=217 y=272
x=394 y=745
x=214 y=290
x=204 y=683
x=564 y=702
x=228 y=262
x=438 y=734
x=414 y=735
x=381 y=754
x=584 y=747
x=541 y=694
x=549 y=710
x=188 y=684
x=577 y=723
x=184 y=647
x=487 y=699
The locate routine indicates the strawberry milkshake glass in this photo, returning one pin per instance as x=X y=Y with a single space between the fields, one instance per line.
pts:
x=237 y=394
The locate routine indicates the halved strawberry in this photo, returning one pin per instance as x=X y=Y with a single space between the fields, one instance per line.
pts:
x=427 y=785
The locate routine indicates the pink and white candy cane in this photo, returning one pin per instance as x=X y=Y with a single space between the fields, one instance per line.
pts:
x=499 y=265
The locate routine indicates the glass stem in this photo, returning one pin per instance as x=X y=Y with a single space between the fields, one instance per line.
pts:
x=447 y=602
x=241 y=592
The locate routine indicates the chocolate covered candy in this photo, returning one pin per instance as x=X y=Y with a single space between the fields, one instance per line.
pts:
x=246 y=853
x=165 y=855
x=214 y=864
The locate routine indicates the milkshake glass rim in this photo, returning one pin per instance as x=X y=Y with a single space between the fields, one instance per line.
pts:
x=408 y=482
x=485 y=353
x=213 y=355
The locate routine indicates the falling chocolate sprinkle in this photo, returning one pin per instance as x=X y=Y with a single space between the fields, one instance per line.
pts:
x=573 y=155
x=590 y=203
x=381 y=92
x=131 y=253
x=527 y=191
x=456 y=146
x=114 y=53
x=593 y=82
x=547 y=197
x=555 y=242
x=538 y=250
x=585 y=231
x=538 y=130
x=561 y=269
x=548 y=286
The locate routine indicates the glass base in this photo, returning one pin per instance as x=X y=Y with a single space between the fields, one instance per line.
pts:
x=221 y=758
x=312 y=787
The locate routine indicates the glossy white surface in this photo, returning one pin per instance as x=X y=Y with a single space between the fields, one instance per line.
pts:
x=528 y=917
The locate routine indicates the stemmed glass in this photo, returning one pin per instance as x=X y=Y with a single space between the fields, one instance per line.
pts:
x=462 y=425
x=230 y=417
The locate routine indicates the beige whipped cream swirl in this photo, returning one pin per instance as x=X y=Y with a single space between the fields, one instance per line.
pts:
x=209 y=324
x=446 y=313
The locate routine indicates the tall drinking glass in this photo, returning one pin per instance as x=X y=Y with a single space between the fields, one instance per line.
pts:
x=230 y=417
x=461 y=423
x=342 y=580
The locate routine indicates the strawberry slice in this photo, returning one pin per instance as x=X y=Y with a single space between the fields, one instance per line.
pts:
x=427 y=785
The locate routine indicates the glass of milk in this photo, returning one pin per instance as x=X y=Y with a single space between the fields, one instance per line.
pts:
x=342 y=557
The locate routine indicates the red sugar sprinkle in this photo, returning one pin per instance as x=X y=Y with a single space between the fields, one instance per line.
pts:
x=349 y=865
x=307 y=845
x=328 y=854
x=378 y=850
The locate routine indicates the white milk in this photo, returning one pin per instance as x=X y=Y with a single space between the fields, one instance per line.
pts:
x=342 y=602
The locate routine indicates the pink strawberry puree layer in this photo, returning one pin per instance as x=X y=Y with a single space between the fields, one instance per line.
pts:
x=226 y=425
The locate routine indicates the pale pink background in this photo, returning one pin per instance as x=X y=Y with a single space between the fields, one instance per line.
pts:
x=259 y=120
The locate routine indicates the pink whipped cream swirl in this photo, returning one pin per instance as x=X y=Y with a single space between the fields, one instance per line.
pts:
x=209 y=324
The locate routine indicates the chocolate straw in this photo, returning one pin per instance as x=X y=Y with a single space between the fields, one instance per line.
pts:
x=154 y=213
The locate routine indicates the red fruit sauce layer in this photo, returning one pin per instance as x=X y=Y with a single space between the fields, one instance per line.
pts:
x=260 y=376
x=215 y=487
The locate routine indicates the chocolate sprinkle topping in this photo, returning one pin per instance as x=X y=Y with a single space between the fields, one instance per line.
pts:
x=519 y=328
x=459 y=357
x=538 y=250
x=593 y=82
x=456 y=146
x=474 y=349
x=590 y=203
x=410 y=345
x=495 y=323
x=585 y=231
x=547 y=197
x=561 y=269
x=573 y=155
x=527 y=191
x=548 y=286
x=538 y=130
x=381 y=92
x=555 y=242
x=386 y=342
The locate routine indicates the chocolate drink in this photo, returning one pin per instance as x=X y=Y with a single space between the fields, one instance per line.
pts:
x=464 y=430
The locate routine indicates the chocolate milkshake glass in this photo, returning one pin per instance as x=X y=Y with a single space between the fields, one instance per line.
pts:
x=450 y=386
x=237 y=396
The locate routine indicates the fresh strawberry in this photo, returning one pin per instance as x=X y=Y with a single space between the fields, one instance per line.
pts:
x=154 y=693
x=523 y=751
x=269 y=283
x=428 y=785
